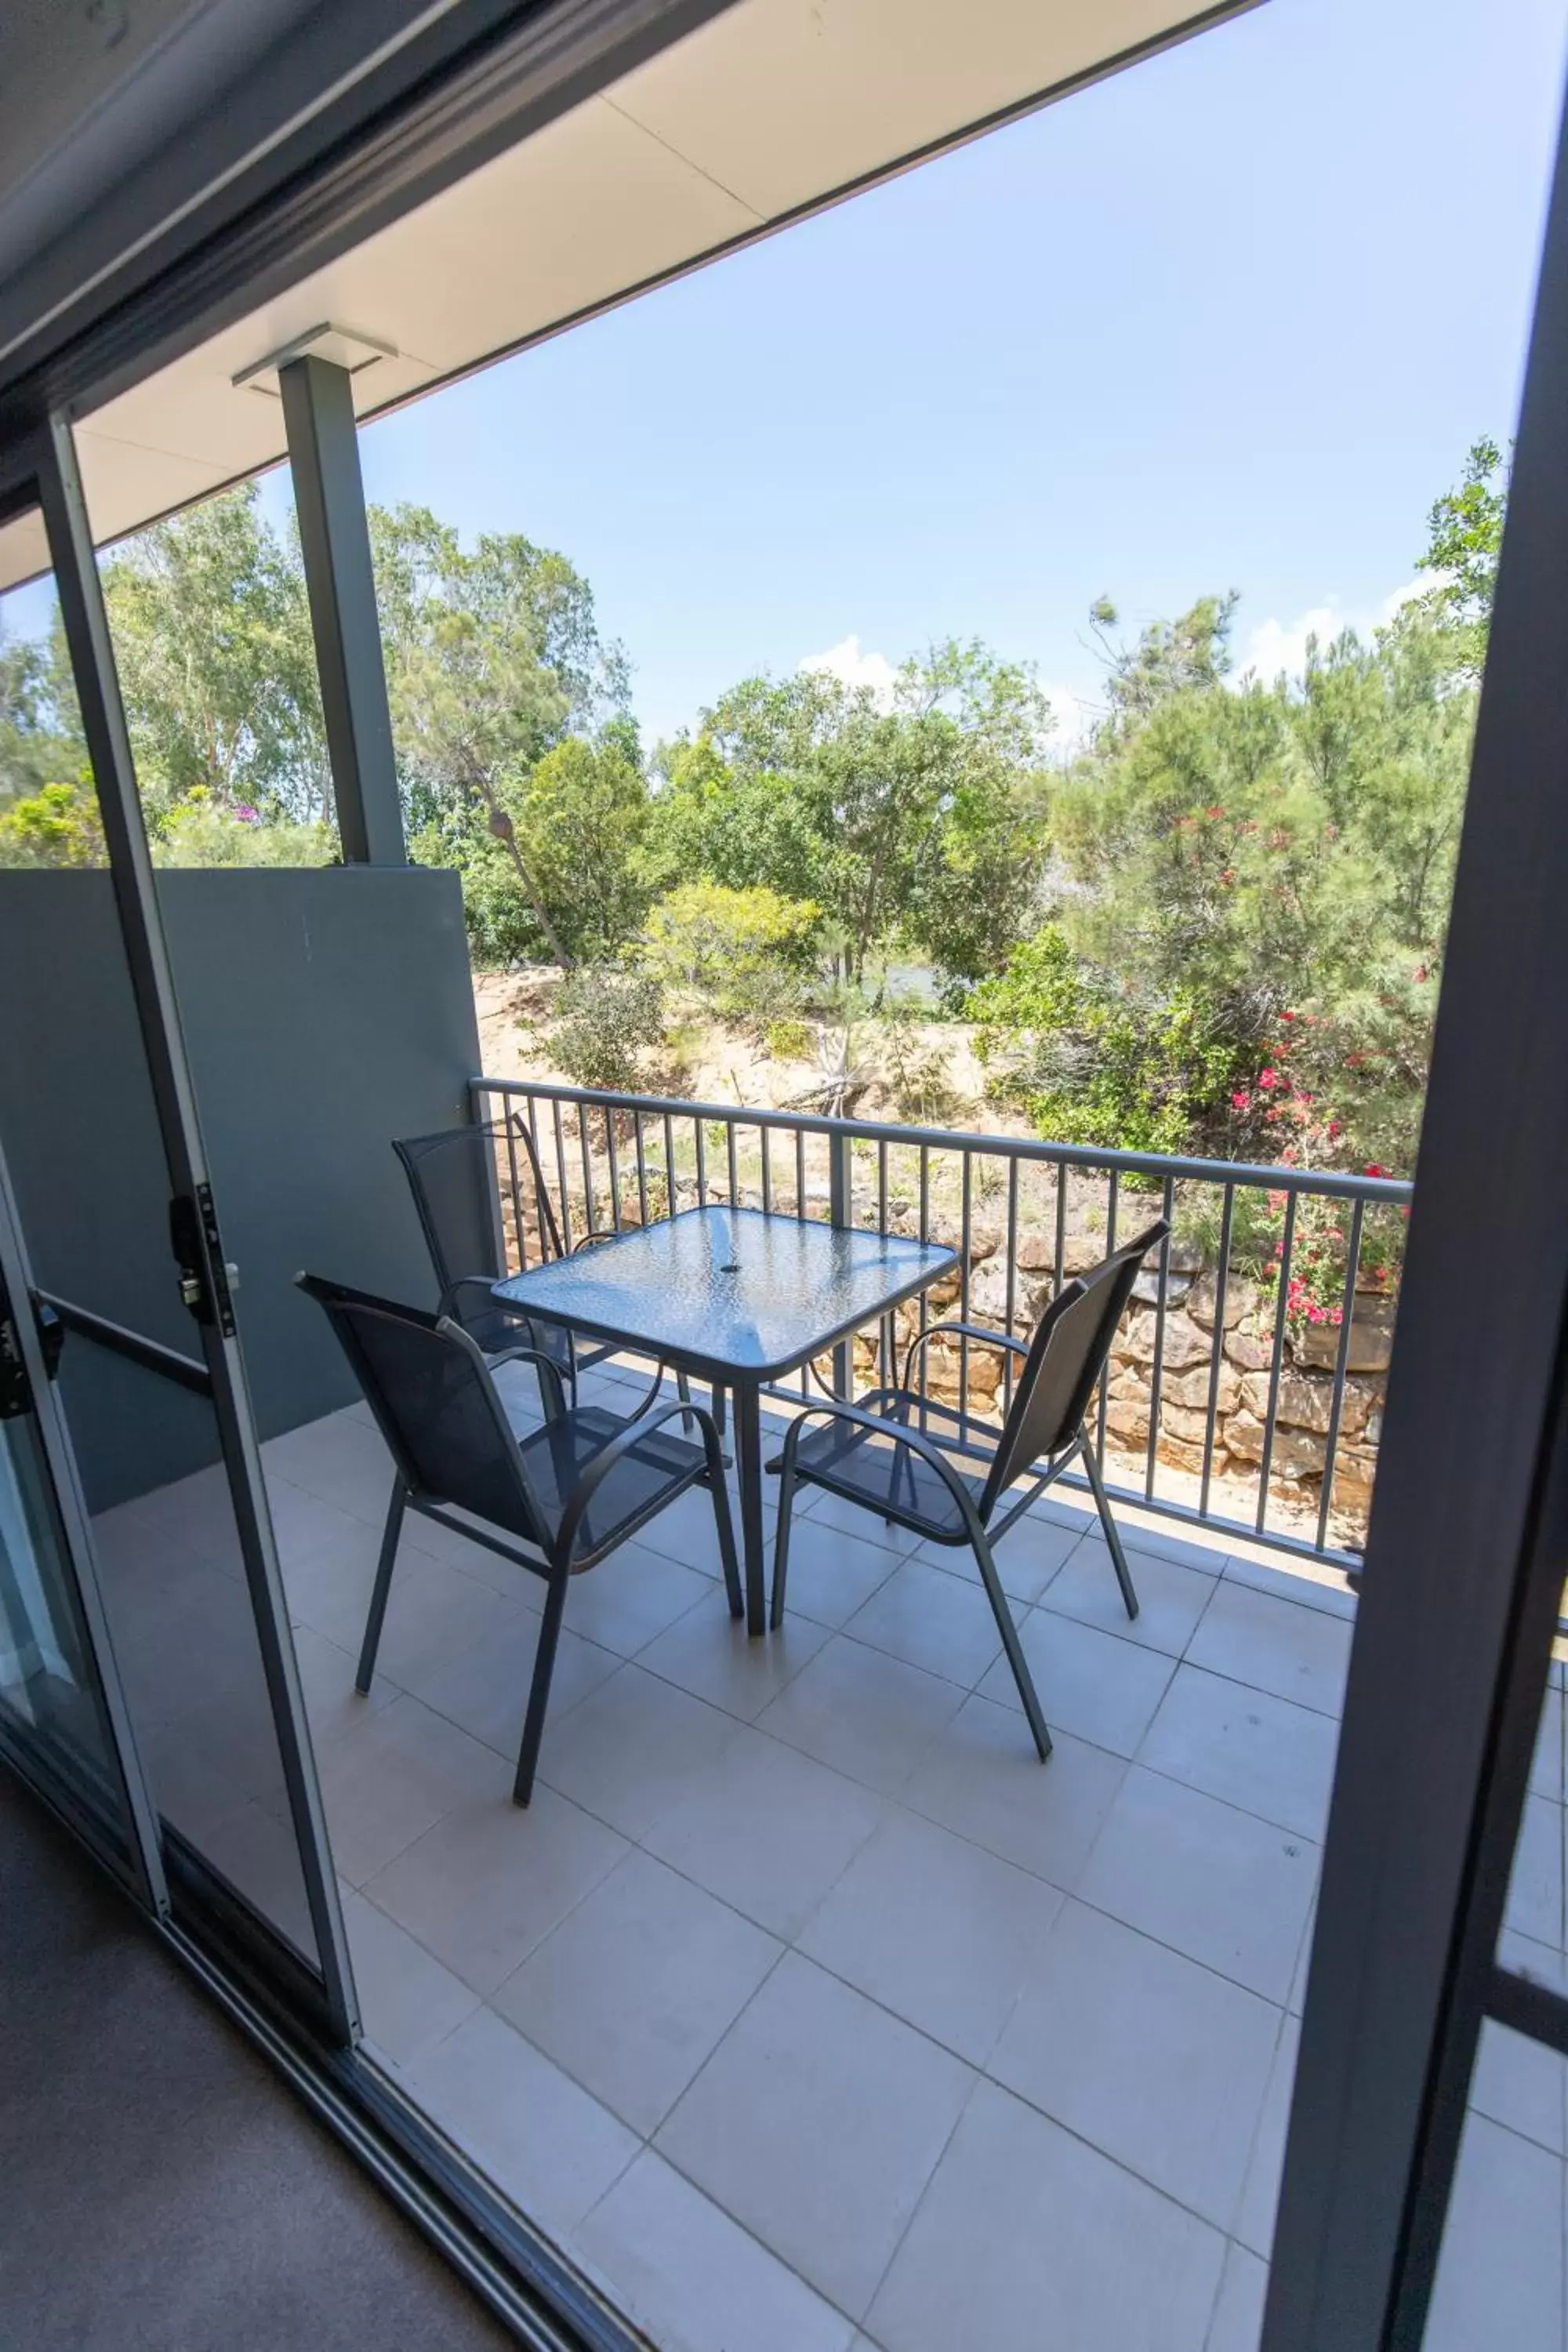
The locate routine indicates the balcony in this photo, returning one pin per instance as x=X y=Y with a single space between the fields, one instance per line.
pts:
x=803 y=2008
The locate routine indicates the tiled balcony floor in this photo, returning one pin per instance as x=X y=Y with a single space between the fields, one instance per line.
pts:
x=803 y=2007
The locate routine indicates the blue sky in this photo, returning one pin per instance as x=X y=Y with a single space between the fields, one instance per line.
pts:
x=1229 y=319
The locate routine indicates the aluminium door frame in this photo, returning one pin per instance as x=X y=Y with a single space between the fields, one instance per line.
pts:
x=1467 y=1544
x=141 y=1865
x=45 y=464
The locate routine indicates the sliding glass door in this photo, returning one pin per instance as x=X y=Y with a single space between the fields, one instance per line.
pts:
x=118 y=1272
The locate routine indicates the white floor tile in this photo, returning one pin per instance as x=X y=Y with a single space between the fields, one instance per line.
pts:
x=547 y=2145
x=1521 y=2083
x=833 y=1571
x=817 y=2123
x=629 y=1598
x=1216 y=1884
x=637 y=1986
x=1500 y=2272
x=492 y=1879
x=1546 y=1770
x=433 y=1613
x=485 y=1688
x=1535 y=1890
x=984 y=1779
x=937 y=1930
x=930 y=1619
x=1275 y=1646
x=686 y=1529
x=408 y=2002
x=1254 y=2224
x=392 y=1777
x=635 y=1749
x=770 y=1831
x=827 y=1510
x=1028 y=2238
x=863 y=1712
x=1092 y=1684
x=709 y=1653
x=1171 y=1598
x=1323 y=1590
x=1153 y=2060
x=692 y=2279
x=1237 y=2323
x=1263 y=1754
x=1029 y=1557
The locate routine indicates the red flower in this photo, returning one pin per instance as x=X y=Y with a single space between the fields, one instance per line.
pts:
x=1335 y=1130
x=1241 y=1100
x=1286 y=1017
x=1267 y=1079
x=1374 y=1168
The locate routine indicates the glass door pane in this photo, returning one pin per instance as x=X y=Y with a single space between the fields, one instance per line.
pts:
x=157 y=1422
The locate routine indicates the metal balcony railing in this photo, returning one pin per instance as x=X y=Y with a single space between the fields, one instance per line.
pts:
x=1244 y=1396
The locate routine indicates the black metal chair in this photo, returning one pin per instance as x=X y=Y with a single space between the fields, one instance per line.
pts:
x=453 y=1176
x=556 y=1501
x=882 y=1454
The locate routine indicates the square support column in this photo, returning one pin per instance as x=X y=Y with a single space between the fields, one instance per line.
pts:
x=334 y=540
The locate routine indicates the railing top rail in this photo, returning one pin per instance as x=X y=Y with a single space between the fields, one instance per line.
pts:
x=1328 y=1183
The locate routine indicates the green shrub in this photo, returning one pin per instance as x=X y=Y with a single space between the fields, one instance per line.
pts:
x=790 y=1041
x=605 y=1019
x=729 y=943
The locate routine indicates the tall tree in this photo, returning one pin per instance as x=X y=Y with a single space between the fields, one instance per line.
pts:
x=212 y=640
x=493 y=657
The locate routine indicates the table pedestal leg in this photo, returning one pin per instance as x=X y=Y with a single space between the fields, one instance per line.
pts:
x=749 y=1476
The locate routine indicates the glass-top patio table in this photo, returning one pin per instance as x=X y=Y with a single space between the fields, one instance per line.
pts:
x=738 y=1298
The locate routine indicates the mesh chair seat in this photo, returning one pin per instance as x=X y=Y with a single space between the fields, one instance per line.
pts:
x=868 y=1468
x=655 y=1469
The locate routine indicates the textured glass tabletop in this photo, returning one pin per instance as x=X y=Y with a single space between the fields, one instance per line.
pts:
x=739 y=1290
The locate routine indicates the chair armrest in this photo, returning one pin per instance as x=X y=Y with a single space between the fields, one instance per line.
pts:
x=966 y=1331
x=895 y=1432
x=587 y=1239
x=601 y=1463
x=541 y=1364
x=485 y=1282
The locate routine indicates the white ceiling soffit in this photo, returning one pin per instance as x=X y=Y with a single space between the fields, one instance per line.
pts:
x=769 y=107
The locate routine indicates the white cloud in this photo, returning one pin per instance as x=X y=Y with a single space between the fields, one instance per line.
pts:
x=1275 y=646
x=847 y=660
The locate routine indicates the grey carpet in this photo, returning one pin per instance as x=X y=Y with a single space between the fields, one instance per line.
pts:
x=160 y=2191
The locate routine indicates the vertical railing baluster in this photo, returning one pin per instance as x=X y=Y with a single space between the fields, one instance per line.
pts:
x=764 y=1138
x=698 y=1129
x=559 y=1125
x=1342 y=1360
x=965 y=1227
x=1216 y=1348
x=1156 y=1371
x=1111 y=1197
x=587 y=1155
x=671 y=1201
x=800 y=1172
x=888 y=1335
x=613 y=1156
x=1061 y=1226
x=642 y=1167
x=732 y=1164
x=517 y=1222
x=1277 y=1362
x=925 y=1294
x=1011 y=1301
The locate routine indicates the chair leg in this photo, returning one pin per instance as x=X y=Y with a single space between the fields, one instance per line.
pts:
x=1118 y=1557
x=781 y=1542
x=1011 y=1643
x=717 y=1400
x=725 y=1522
x=538 y=1689
x=381 y=1588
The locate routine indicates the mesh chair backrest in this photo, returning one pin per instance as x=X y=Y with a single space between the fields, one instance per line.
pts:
x=435 y=1404
x=453 y=1179
x=1065 y=1358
